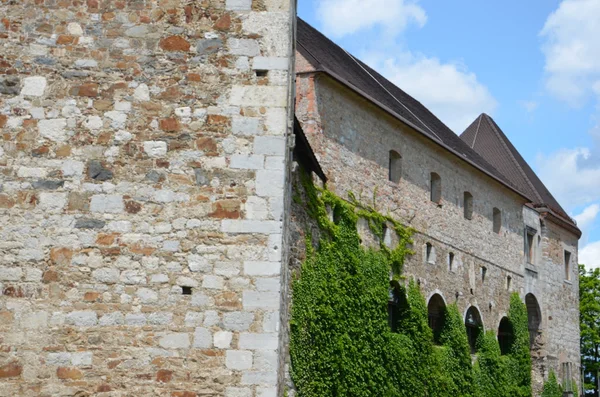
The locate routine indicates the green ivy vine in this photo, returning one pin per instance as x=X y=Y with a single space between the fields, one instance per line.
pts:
x=341 y=342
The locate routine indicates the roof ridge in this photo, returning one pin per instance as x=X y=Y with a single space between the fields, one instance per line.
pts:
x=477 y=130
x=502 y=138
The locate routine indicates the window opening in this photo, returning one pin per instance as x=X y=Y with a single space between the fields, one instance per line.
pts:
x=505 y=336
x=473 y=325
x=436 y=188
x=468 y=203
x=567 y=265
x=395 y=167
x=497 y=220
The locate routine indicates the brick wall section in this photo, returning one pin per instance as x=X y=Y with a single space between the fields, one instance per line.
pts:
x=352 y=139
x=142 y=159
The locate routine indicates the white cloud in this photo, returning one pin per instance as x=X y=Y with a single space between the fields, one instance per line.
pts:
x=572 y=50
x=529 y=106
x=587 y=216
x=449 y=90
x=339 y=18
x=590 y=255
x=571 y=176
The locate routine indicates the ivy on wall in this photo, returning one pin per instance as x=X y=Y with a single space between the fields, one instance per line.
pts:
x=341 y=341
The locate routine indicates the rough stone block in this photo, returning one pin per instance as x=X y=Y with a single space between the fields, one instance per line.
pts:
x=260 y=300
x=238 y=5
x=269 y=183
x=247 y=47
x=262 y=268
x=202 y=338
x=270 y=63
x=248 y=162
x=104 y=203
x=238 y=321
x=238 y=392
x=85 y=318
x=10 y=273
x=222 y=339
x=238 y=360
x=250 y=226
x=259 y=378
x=54 y=129
x=258 y=96
x=34 y=86
x=176 y=340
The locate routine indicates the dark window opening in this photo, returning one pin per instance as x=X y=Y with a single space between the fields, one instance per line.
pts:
x=186 y=290
x=468 y=203
x=508 y=282
x=474 y=326
x=429 y=253
x=395 y=167
x=261 y=73
x=505 y=336
x=483 y=274
x=450 y=261
x=435 y=314
x=497 y=220
x=534 y=317
x=436 y=188
x=394 y=305
x=567 y=265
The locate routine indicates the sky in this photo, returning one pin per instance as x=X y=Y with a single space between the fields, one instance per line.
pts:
x=534 y=66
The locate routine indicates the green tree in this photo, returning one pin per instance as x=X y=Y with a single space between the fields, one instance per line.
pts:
x=589 y=319
x=551 y=387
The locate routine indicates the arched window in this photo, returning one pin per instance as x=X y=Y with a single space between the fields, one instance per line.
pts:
x=435 y=313
x=436 y=188
x=497 y=219
x=505 y=336
x=534 y=317
x=395 y=167
x=474 y=325
x=394 y=302
x=468 y=202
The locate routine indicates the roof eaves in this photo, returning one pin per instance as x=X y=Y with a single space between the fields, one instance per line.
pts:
x=335 y=76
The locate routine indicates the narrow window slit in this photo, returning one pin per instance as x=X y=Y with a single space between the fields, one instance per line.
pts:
x=186 y=290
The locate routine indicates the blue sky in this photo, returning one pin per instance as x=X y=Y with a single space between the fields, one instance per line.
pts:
x=534 y=66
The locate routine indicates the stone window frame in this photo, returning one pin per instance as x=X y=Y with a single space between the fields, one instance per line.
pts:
x=529 y=242
x=467 y=205
x=435 y=188
x=567 y=258
x=496 y=220
x=429 y=254
x=395 y=166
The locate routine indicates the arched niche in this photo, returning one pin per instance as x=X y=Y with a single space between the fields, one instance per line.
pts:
x=474 y=326
x=534 y=317
x=436 y=314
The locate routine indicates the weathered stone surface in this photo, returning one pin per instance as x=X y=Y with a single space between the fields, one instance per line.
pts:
x=10 y=85
x=98 y=172
x=89 y=223
x=118 y=135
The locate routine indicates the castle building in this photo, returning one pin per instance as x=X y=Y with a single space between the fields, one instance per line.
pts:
x=146 y=155
x=485 y=224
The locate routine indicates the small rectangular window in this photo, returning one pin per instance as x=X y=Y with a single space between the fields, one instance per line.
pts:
x=567 y=265
x=436 y=188
x=497 y=220
x=529 y=244
x=429 y=253
x=450 y=261
x=483 y=274
x=468 y=203
x=508 y=282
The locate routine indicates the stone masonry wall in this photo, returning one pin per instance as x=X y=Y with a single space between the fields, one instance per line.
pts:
x=141 y=196
x=352 y=138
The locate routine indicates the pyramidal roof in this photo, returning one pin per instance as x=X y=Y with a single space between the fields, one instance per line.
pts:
x=486 y=138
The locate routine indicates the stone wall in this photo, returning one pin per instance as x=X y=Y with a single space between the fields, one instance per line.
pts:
x=352 y=139
x=141 y=196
